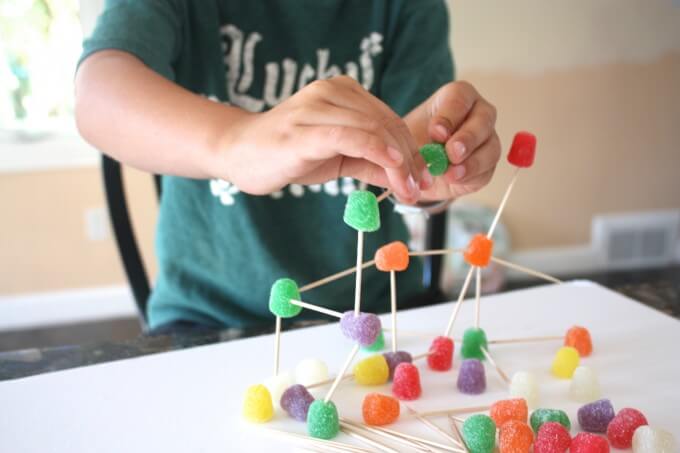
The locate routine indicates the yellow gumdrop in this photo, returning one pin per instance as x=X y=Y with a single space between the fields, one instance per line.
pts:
x=257 y=406
x=372 y=371
x=566 y=361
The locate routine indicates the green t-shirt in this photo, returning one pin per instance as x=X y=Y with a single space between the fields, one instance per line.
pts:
x=220 y=250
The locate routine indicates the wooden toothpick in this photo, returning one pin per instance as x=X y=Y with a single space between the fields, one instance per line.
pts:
x=330 y=381
x=432 y=426
x=325 y=311
x=455 y=411
x=493 y=363
x=503 y=203
x=478 y=296
x=342 y=371
x=527 y=339
x=335 y=276
x=328 y=445
x=526 y=270
x=277 y=345
x=352 y=432
x=357 y=288
x=454 y=426
x=434 y=252
x=378 y=432
x=410 y=437
x=393 y=306
x=456 y=310
x=384 y=195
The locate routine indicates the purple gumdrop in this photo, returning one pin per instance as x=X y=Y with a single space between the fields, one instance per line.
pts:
x=296 y=401
x=395 y=358
x=363 y=328
x=471 y=377
x=595 y=417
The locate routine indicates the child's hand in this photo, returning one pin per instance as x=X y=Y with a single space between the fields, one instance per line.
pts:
x=460 y=117
x=328 y=129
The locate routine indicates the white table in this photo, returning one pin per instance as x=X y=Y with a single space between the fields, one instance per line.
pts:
x=190 y=400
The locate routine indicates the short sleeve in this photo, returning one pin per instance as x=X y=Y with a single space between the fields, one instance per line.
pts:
x=149 y=29
x=419 y=58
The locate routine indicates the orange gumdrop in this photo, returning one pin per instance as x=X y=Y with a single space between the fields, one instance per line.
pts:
x=392 y=257
x=579 y=338
x=478 y=252
x=380 y=409
x=515 y=437
x=512 y=409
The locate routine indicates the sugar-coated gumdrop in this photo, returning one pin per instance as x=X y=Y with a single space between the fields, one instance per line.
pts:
x=623 y=425
x=588 y=443
x=479 y=250
x=523 y=150
x=283 y=290
x=395 y=358
x=257 y=405
x=311 y=371
x=471 y=377
x=361 y=211
x=479 y=433
x=565 y=362
x=653 y=440
x=512 y=409
x=380 y=409
x=595 y=417
x=372 y=370
x=524 y=385
x=473 y=342
x=579 y=338
x=322 y=420
x=540 y=416
x=584 y=386
x=377 y=345
x=552 y=437
x=363 y=328
x=296 y=401
x=392 y=257
x=515 y=437
x=406 y=382
x=434 y=155
x=277 y=385
x=440 y=356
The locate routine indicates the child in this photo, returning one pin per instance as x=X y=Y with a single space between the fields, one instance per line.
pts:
x=252 y=111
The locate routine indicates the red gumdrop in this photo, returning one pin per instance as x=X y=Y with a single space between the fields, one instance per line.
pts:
x=440 y=356
x=392 y=257
x=479 y=250
x=622 y=427
x=406 y=382
x=523 y=150
x=589 y=443
x=552 y=437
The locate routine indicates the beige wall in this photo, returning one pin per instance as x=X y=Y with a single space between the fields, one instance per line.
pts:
x=598 y=82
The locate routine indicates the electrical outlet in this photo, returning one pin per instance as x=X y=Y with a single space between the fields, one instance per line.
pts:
x=97 y=224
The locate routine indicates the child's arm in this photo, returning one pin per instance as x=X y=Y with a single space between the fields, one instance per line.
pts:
x=328 y=129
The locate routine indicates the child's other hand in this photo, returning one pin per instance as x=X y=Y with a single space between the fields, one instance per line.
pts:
x=330 y=128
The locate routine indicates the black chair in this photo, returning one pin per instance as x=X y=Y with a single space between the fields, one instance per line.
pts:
x=133 y=265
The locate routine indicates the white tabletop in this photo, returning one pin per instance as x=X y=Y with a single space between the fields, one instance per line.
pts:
x=190 y=400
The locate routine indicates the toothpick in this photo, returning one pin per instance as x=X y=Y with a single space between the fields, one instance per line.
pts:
x=434 y=252
x=461 y=296
x=420 y=356
x=325 y=311
x=277 y=345
x=432 y=426
x=384 y=195
x=346 y=365
x=457 y=410
x=478 y=296
x=495 y=365
x=526 y=270
x=334 y=277
x=393 y=437
x=502 y=205
x=452 y=422
x=393 y=306
x=329 y=444
x=357 y=288
x=527 y=339
x=330 y=381
x=408 y=437
x=373 y=443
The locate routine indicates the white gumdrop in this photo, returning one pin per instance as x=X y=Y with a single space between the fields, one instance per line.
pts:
x=311 y=371
x=584 y=387
x=653 y=440
x=277 y=385
x=524 y=385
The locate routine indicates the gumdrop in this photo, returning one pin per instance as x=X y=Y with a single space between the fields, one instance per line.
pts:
x=311 y=371
x=395 y=358
x=257 y=405
x=595 y=417
x=515 y=437
x=584 y=386
x=372 y=370
x=653 y=440
x=565 y=362
x=471 y=377
x=540 y=416
x=579 y=338
x=434 y=155
x=380 y=409
x=479 y=250
x=322 y=420
x=512 y=409
x=473 y=342
x=283 y=290
x=406 y=382
x=552 y=437
x=440 y=356
x=523 y=150
x=623 y=425
x=363 y=328
x=392 y=257
x=277 y=385
x=479 y=433
x=524 y=385
x=361 y=211
x=296 y=401
x=377 y=345
x=588 y=443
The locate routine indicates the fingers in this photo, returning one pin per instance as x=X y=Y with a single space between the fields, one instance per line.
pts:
x=475 y=130
x=483 y=160
x=449 y=108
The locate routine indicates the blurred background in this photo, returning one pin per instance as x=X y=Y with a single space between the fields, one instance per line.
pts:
x=598 y=82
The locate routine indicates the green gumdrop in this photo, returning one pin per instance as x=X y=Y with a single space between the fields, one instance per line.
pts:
x=540 y=416
x=322 y=420
x=435 y=157
x=473 y=342
x=479 y=432
x=377 y=345
x=361 y=211
x=283 y=290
